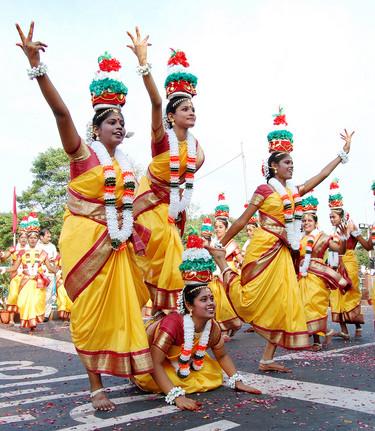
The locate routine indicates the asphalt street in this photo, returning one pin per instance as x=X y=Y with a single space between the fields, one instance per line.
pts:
x=43 y=387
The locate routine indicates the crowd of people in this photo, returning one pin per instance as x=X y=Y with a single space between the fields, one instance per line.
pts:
x=121 y=248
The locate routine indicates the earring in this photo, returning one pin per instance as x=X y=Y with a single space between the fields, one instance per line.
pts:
x=191 y=312
x=275 y=171
x=172 y=122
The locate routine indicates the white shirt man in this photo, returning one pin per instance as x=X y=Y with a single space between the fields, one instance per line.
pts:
x=46 y=245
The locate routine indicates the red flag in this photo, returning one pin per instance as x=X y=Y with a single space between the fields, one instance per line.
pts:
x=15 y=220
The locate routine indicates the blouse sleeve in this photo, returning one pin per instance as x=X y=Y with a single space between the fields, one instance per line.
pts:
x=160 y=146
x=216 y=340
x=167 y=333
x=260 y=195
x=81 y=153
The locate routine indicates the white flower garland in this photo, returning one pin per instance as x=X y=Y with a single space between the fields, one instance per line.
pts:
x=185 y=362
x=308 y=250
x=177 y=205
x=118 y=236
x=32 y=268
x=293 y=220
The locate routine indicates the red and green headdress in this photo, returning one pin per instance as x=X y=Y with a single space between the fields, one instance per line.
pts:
x=310 y=204
x=335 y=200
x=107 y=90
x=179 y=82
x=280 y=139
x=33 y=225
x=22 y=228
x=197 y=264
x=222 y=208
x=207 y=227
x=373 y=187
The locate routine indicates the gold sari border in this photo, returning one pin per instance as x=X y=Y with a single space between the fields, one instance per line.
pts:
x=117 y=364
x=317 y=325
x=333 y=279
x=255 y=268
x=288 y=340
x=161 y=298
x=352 y=316
x=88 y=267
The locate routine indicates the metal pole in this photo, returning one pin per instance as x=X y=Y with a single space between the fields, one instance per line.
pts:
x=244 y=173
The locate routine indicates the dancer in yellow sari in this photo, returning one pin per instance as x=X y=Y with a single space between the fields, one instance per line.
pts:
x=267 y=293
x=225 y=315
x=316 y=279
x=346 y=308
x=31 y=300
x=15 y=277
x=99 y=239
x=179 y=341
x=160 y=202
x=64 y=303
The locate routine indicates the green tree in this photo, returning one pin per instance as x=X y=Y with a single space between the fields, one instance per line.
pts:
x=47 y=193
x=6 y=236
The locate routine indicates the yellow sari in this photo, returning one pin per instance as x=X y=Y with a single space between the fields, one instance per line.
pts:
x=315 y=287
x=225 y=316
x=105 y=286
x=64 y=303
x=164 y=249
x=31 y=300
x=267 y=294
x=167 y=334
x=346 y=308
x=14 y=285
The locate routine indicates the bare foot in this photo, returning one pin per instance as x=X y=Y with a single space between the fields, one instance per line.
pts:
x=358 y=332
x=328 y=338
x=226 y=338
x=274 y=367
x=249 y=330
x=101 y=402
x=316 y=347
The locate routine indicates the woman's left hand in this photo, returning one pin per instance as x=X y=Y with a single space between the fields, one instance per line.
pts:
x=139 y=46
x=240 y=386
x=347 y=137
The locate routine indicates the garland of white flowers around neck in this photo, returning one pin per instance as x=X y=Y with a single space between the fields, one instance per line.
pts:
x=177 y=205
x=118 y=236
x=185 y=362
x=311 y=238
x=293 y=219
x=32 y=268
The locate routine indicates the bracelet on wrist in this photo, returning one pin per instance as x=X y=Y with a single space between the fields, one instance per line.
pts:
x=144 y=69
x=355 y=233
x=343 y=156
x=235 y=378
x=343 y=238
x=174 y=393
x=37 y=71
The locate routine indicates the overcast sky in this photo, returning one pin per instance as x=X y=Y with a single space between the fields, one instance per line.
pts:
x=316 y=58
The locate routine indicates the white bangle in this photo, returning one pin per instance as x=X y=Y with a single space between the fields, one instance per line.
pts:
x=174 y=393
x=218 y=244
x=144 y=70
x=343 y=238
x=343 y=156
x=235 y=378
x=356 y=233
x=36 y=71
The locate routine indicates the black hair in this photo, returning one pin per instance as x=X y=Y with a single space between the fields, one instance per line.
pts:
x=275 y=157
x=101 y=115
x=172 y=106
x=44 y=231
x=313 y=215
x=190 y=292
x=223 y=220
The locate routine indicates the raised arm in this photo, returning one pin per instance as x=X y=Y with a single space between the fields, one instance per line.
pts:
x=139 y=47
x=68 y=133
x=239 y=224
x=356 y=233
x=326 y=171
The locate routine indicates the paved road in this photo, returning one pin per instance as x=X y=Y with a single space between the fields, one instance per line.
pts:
x=43 y=387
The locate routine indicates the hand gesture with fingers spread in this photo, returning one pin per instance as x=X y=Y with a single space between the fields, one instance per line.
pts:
x=347 y=137
x=139 y=46
x=30 y=48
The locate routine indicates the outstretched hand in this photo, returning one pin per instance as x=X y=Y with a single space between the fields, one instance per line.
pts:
x=30 y=48
x=347 y=137
x=139 y=46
